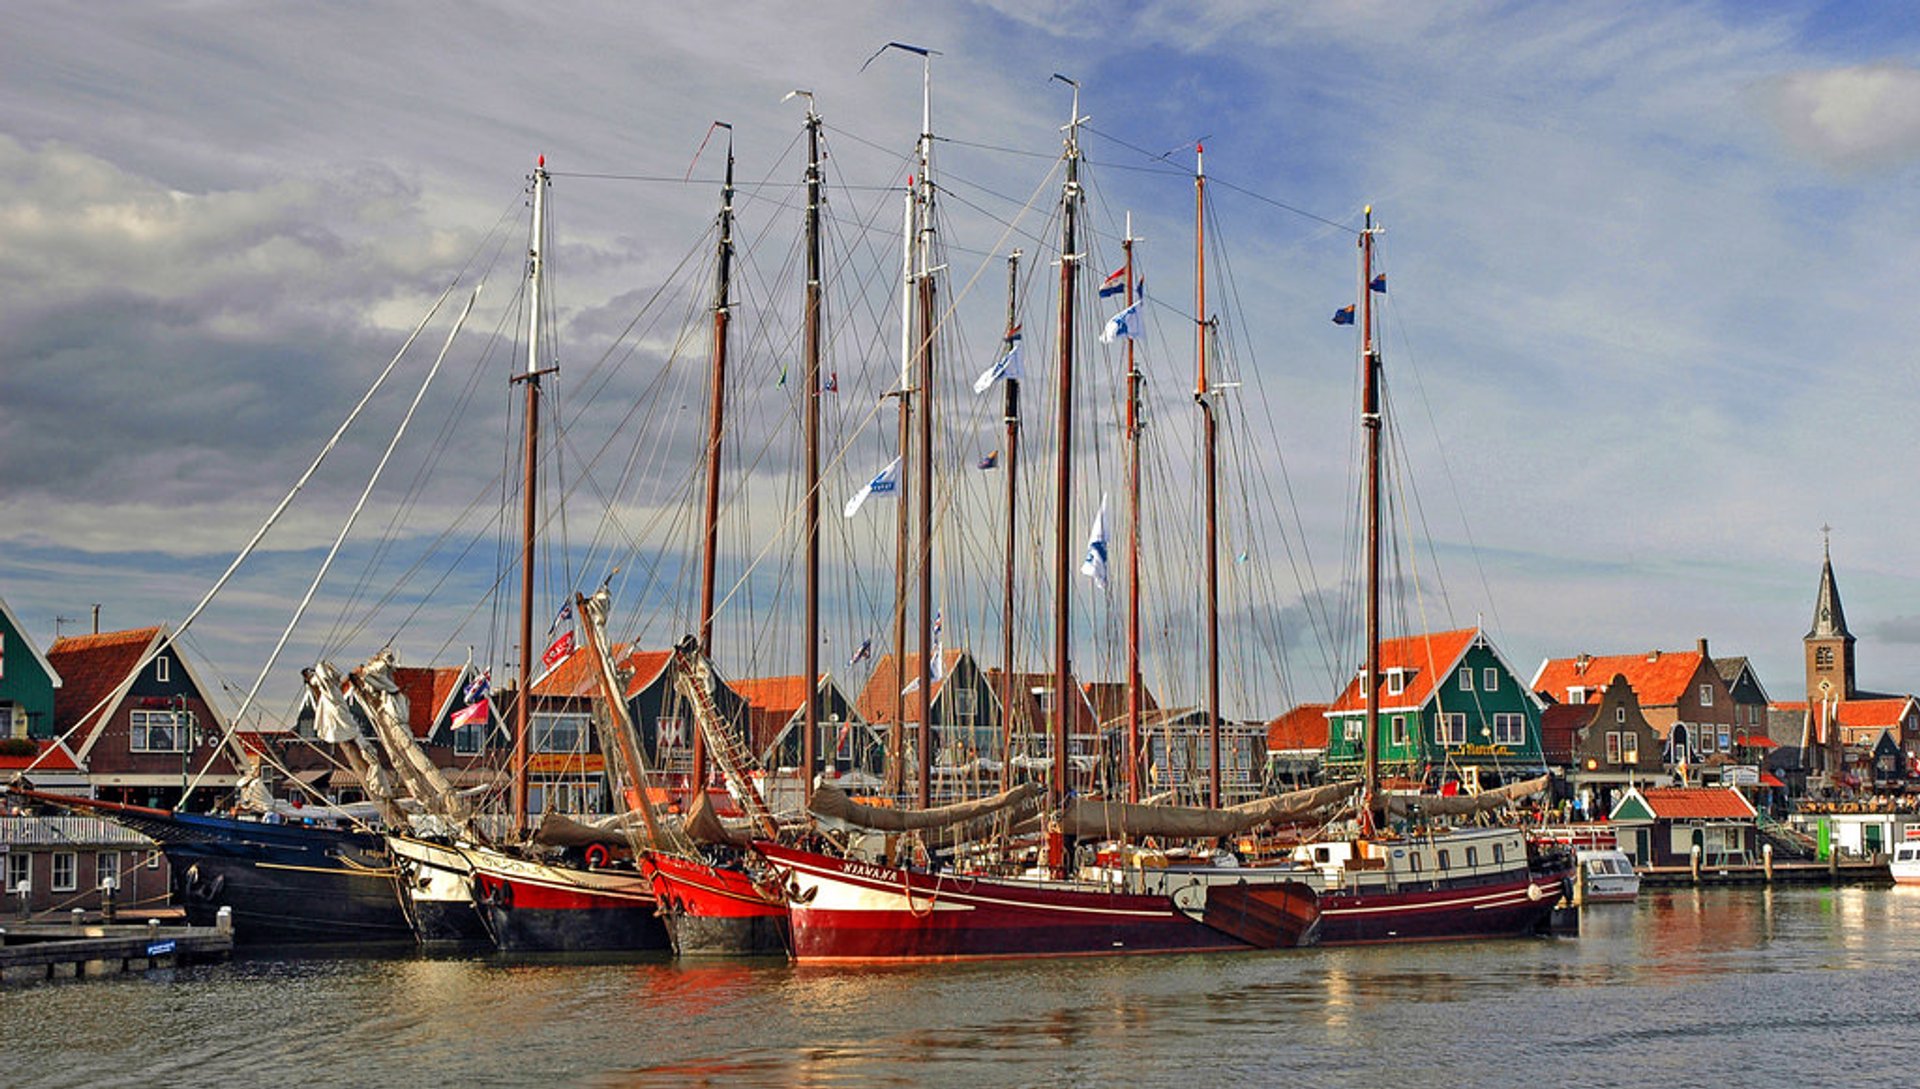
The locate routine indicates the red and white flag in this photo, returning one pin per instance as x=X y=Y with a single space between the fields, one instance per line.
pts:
x=475 y=714
x=558 y=650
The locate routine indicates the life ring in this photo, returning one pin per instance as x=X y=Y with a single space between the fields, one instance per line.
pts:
x=598 y=856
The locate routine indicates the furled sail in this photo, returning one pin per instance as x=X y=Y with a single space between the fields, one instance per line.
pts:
x=1441 y=805
x=1092 y=818
x=834 y=804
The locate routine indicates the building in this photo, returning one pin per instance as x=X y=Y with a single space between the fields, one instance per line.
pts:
x=1660 y=826
x=1450 y=707
x=51 y=864
x=27 y=683
x=1750 y=700
x=1604 y=746
x=1177 y=754
x=1843 y=723
x=1297 y=747
x=845 y=743
x=1681 y=693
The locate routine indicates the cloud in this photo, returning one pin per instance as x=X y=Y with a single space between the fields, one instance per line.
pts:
x=1857 y=117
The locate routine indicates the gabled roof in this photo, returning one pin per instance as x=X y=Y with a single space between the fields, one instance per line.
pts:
x=876 y=700
x=1109 y=699
x=1300 y=729
x=1424 y=659
x=1660 y=678
x=1882 y=713
x=51 y=756
x=428 y=692
x=1731 y=669
x=778 y=697
x=1829 y=620
x=1027 y=713
x=576 y=677
x=1683 y=803
x=32 y=648
x=98 y=669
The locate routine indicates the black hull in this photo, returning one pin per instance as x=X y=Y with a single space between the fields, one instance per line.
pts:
x=749 y=936
x=441 y=922
x=576 y=930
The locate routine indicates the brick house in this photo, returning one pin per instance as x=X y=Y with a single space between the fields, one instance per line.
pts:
x=1681 y=693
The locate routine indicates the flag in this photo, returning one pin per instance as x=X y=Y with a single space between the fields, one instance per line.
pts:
x=832 y=384
x=1142 y=288
x=886 y=484
x=990 y=459
x=1008 y=366
x=1114 y=284
x=1095 y=565
x=783 y=375
x=565 y=614
x=841 y=749
x=861 y=655
x=557 y=650
x=1124 y=324
x=1379 y=283
x=1343 y=316
x=478 y=688
x=473 y=715
x=939 y=656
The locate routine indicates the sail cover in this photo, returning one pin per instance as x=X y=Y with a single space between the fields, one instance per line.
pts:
x=834 y=804
x=1487 y=801
x=1089 y=818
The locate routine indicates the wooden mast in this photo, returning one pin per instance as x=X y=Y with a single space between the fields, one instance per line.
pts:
x=529 y=486
x=810 y=719
x=1202 y=396
x=1011 y=416
x=716 y=415
x=897 y=735
x=1133 y=543
x=1063 y=479
x=1370 y=421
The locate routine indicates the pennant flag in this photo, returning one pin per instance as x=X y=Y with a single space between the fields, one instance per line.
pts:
x=1114 y=284
x=478 y=688
x=989 y=460
x=885 y=484
x=1095 y=565
x=841 y=749
x=1008 y=366
x=935 y=668
x=865 y=652
x=1143 y=287
x=557 y=650
x=564 y=615
x=472 y=715
x=1379 y=283
x=783 y=375
x=1124 y=324
x=832 y=384
x=1343 y=316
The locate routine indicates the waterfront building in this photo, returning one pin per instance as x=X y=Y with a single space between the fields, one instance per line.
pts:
x=1449 y=705
x=1842 y=724
x=27 y=683
x=1749 y=697
x=1681 y=693
x=53 y=864
x=1603 y=746
x=1660 y=826
x=846 y=743
x=1297 y=747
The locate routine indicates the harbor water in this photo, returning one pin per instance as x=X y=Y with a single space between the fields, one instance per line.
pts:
x=1714 y=987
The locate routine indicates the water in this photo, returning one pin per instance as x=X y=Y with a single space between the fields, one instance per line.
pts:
x=1724 y=987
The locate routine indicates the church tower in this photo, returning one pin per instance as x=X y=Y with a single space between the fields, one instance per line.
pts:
x=1829 y=644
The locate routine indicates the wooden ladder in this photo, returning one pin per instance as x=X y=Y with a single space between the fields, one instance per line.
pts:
x=735 y=760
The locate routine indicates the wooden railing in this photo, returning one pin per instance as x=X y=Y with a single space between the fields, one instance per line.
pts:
x=67 y=832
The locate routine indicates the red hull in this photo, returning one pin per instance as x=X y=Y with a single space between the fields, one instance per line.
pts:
x=1498 y=909
x=843 y=911
x=536 y=907
x=716 y=910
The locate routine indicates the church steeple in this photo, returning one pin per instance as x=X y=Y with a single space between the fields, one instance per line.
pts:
x=1829 y=644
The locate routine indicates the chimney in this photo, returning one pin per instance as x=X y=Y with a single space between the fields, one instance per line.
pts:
x=96 y=618
x=1703 y=649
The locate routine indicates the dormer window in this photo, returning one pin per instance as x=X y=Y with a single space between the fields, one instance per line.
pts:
x=1396 y=681
x=1706 y=695
x=1576 y=694
x=162 y=669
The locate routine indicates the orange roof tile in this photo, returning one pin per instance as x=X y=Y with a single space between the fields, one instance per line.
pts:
x=1660 y=678
x=778 y=696
x=1860 y=714
x=52 y=756
x=426 y=691
x=877 y=696
x=1425 y=659
x=93 y=667
x=576 y=675
x=1697 y=803
x=1301 y=729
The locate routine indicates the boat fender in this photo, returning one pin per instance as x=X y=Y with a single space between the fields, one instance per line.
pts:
x=598 y=856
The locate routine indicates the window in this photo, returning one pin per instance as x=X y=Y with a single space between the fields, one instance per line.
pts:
x=1619 y=714
x=106 y=869
x=153 y=860
x=963 y=703
x=1629 y=748
x=1706 y=695
x=1509 y=729
x=19 y=870
x=162 y=668
x=160 y=731
x=1451 y=729
x=1823 y=658
x=1613 y=746
x=1399 y=729
x=1466 y=678
x=1444 y=860
x=467 y=740
x=1576 y=694
x=1499 y=854
x=1726 y=739
x=567 y=732
x=1353 y=729
x=1043 y=699
x=1396 y=681
x=66 y=866
x=1413 y=861
x=673 y=733
x=1489 y=680
x=1473 y=857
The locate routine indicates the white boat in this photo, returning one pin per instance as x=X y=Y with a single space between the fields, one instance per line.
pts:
x=1607 y=875
x=1905 y=863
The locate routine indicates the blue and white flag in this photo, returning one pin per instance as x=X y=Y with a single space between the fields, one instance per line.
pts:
x=885 y=484
x=478 y=688
x=1124 y=324
x=563 y=616
x=1095 y=565
x=1379 y=283
x=861 y=655
x=1008 y=366
x=936 y=668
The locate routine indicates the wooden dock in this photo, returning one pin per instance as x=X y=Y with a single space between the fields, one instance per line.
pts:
x=1845 y=872
x=37 y=952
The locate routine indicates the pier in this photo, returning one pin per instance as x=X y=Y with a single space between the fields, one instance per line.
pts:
x=1841 y=872
x=37 y=952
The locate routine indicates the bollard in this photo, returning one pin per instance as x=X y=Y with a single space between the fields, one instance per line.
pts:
x=1766 y=860
x=77 y=916
x=153 y=929
x=1579 y=882
x=223 y=922
x=1693 y=863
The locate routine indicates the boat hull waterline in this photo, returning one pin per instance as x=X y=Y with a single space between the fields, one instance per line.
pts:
x=541 y=907
x=715 y=910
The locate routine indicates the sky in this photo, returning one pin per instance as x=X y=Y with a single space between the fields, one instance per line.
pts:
x=1645 y=333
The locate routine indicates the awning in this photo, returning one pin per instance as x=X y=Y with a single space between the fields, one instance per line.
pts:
x=1768 y=779
x=1758 y=741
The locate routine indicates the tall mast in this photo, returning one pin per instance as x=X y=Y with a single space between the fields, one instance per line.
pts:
x=897 y=736
x=923 y=495
x=716 y=415
x=1063 y=480
x=1202 y=396
x=1370 y=421
x=1133 y=544
x=811 y=718
x=1011 y=416
x=529 y=488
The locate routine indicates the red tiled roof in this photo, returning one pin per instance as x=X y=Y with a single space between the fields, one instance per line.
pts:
x=1697 y=803
x=1424 y=658
x=426 y=691
x=781 y=696
x=93 y=667
x=1659 y=678
x=1861 y=714
x=876 y=698
x=1301 y=729
x=1109 y=700
x=52 y=757
x=576 y=675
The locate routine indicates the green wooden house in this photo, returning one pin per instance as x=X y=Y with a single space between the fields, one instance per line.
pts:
x=27 y=682
x=1451 y=709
